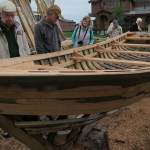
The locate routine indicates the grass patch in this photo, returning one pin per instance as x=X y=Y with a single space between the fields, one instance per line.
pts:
x=69 y=34
x=101 y=36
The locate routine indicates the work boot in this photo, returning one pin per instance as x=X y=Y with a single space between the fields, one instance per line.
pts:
x=5 y=134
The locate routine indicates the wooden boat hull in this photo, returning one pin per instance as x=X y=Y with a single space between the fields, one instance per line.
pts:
x=91 y=79
x=62 y=94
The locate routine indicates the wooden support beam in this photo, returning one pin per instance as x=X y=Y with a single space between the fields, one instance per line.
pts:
x=26 y=26
x=115 y=43
x=43 y=127
x=43 y=5
x=77 y=54
x=19 y=134
x=27 y=19
x=55 y=123
x=39 y=8
x=115 y=61
x=36 y=131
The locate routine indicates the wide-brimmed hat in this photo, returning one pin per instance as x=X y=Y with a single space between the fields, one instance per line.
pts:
x=55 y=9
x=7 y=6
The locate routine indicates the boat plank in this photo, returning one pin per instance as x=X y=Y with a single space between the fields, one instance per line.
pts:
x=123 y=52
x=70 y=109
x=137 y=38
x=126 y=62
x=114 y=43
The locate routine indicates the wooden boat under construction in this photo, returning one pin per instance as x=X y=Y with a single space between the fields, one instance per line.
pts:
x=72 y=89
x=92 y=79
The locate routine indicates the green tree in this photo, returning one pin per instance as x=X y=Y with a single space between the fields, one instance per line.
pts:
x=91 y=15
x=119 y=11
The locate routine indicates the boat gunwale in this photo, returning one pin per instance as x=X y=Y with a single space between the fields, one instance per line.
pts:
x=20 y=60
x=60 y=70
x=50 y=73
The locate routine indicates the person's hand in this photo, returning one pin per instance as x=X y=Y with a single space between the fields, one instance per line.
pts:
x=114 y=27
x=91 y=43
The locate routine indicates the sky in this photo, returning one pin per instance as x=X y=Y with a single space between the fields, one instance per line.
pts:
x=71 y=9
x=74 y=9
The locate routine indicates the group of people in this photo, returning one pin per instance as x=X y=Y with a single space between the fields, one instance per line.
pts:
x=12 y=36
x=115 y=29
x=13 y=39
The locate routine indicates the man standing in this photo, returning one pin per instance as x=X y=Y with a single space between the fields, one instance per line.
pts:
x=13 y=42
x=136 y=26
x=114 y=29
x=46 y=32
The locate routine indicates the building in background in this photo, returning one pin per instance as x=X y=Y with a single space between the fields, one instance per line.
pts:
x=103 y=9
x=67 y=25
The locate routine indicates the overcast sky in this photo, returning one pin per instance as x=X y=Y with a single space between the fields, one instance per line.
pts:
x=72 y=9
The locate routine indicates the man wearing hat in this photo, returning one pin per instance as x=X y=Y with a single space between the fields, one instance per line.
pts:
x=46 y=32
x=13 y=41
x=114 y=29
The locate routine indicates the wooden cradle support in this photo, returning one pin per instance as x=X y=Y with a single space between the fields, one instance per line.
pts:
x=68 y=133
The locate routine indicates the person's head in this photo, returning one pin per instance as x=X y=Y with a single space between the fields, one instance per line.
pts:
x=53 y=14
x=86 y=21
x=115 y=23
x=8 y=11
x=139 y=21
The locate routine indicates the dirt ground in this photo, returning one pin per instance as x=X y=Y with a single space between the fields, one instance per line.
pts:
x=127 y=130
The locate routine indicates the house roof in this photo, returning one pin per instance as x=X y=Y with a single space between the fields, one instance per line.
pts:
x=139 y=10
x=138 y=13
x=66 y=20
x=102 y=10
x=94 y=1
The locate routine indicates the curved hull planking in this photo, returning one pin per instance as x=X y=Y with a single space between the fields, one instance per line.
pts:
x=91 y=79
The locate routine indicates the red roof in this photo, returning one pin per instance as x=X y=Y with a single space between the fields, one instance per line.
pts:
x=138 y=14
x=94 y=1
x=103 y=10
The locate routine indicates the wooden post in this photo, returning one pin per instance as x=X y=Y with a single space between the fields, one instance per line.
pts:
x=8 y=125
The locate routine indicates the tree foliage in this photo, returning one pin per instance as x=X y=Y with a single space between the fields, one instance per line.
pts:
x=119 y=11
x=92 y=15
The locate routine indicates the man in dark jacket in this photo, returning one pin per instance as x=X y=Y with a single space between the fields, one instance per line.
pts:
x=136 y=26
x=46 y=32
